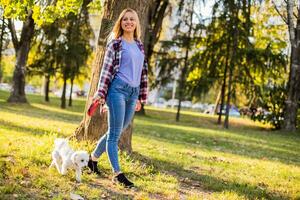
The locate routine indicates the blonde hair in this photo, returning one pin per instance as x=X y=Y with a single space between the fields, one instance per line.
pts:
x=117 y=29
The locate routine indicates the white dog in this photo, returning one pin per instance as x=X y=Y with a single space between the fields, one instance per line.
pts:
x=63 y=157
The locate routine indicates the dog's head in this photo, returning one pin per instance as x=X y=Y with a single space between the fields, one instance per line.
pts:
x=80 y=158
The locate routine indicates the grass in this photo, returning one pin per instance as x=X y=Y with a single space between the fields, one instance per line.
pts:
x=191 y=159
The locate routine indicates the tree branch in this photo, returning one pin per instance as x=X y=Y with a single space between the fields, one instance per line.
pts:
x=277 y=10
x=290 y=23
x=27 y=29
x=159 y=20
x=13 y=33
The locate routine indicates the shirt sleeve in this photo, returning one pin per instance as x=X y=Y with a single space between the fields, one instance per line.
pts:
x=106 y=71
x=144 y=83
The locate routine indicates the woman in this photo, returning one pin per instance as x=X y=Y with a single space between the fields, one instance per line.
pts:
x=123 y=86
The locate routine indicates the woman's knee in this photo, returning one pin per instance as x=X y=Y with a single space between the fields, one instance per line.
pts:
x=113 y=136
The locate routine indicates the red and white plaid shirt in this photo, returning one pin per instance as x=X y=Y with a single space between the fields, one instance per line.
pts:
x=111 y=65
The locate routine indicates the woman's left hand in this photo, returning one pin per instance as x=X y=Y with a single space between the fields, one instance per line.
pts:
x=138 y=105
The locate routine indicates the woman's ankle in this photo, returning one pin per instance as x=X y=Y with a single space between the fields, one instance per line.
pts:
x=117 y=173
x=95 y=159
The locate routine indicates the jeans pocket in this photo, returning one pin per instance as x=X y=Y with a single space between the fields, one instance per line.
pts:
x=116 y=86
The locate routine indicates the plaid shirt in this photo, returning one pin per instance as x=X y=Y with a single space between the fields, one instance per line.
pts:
x=111 y=65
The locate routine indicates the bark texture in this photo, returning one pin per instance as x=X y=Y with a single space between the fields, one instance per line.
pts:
x=22 y=49
x=293 y=91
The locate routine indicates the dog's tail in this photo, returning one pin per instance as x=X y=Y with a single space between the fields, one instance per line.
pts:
x=59 y=142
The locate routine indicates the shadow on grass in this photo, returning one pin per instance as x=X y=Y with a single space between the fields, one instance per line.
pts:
x=33 y=111
x=238 y=126
x=260 y=147
x=199 y=120
x=28 y=130
x=14 y=188
x=110 y=193
x=208 y=183
x=78 y=103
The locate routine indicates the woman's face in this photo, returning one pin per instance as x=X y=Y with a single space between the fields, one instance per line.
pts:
x=128 y=22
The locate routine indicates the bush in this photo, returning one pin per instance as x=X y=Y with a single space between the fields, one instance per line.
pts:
x=272 y=105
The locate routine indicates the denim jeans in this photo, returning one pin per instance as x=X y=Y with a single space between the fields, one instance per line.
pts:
x=121 y=100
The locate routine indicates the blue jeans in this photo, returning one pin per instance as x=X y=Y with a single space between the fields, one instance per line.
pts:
x=121 y=100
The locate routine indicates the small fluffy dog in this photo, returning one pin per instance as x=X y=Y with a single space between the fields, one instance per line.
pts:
x=63 y=157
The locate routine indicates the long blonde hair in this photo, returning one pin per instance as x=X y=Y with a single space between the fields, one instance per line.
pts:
x=117 y=29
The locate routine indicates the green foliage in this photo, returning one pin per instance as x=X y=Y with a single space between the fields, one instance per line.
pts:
x=171 y=56
x=63 y=47
x=272 y=101
x=44 y=12
x=95 y=7
x=260 y=57
x=7 y=66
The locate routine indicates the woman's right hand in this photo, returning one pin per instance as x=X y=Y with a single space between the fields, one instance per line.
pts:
x=100 y=99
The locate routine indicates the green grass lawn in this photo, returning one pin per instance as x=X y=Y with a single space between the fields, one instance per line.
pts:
x=192 y=159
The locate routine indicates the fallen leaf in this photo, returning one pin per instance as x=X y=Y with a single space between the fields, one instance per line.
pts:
x=76 y=197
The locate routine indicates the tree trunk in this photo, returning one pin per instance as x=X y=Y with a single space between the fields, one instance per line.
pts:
x=226 y=122
x=186 y=62
x=3 y=26
x=63 y=95
x=22 y=48
x=235 y=10
x=293 y=91
x=179 y=105
x=291 y=104
x=46 y=89
x=71 y=91
x=222 y=98
x=215 y=110
x=224 y=83
x=92 y=128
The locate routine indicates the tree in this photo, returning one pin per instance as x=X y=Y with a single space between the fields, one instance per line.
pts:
x=186 y=64
x=43 y=54
x=293 y=89
x=79 y=35
x=3 y=39
x=30 y=13
x=156 y=15
x=22 y=47
x=175 y=54
x=234 y=11
x=93 y=127
x=75 y=48
x=254 y=57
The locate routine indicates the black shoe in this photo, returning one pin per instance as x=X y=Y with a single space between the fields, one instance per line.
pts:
x=93 y=166
x=122 y=180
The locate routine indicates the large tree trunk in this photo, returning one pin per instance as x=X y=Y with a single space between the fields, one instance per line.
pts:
x=291 y=104
x=293 y=91
x=22 y=49
x=92 y=128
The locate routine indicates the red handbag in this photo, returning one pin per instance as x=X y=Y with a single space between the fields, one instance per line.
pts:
x=93 y=107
